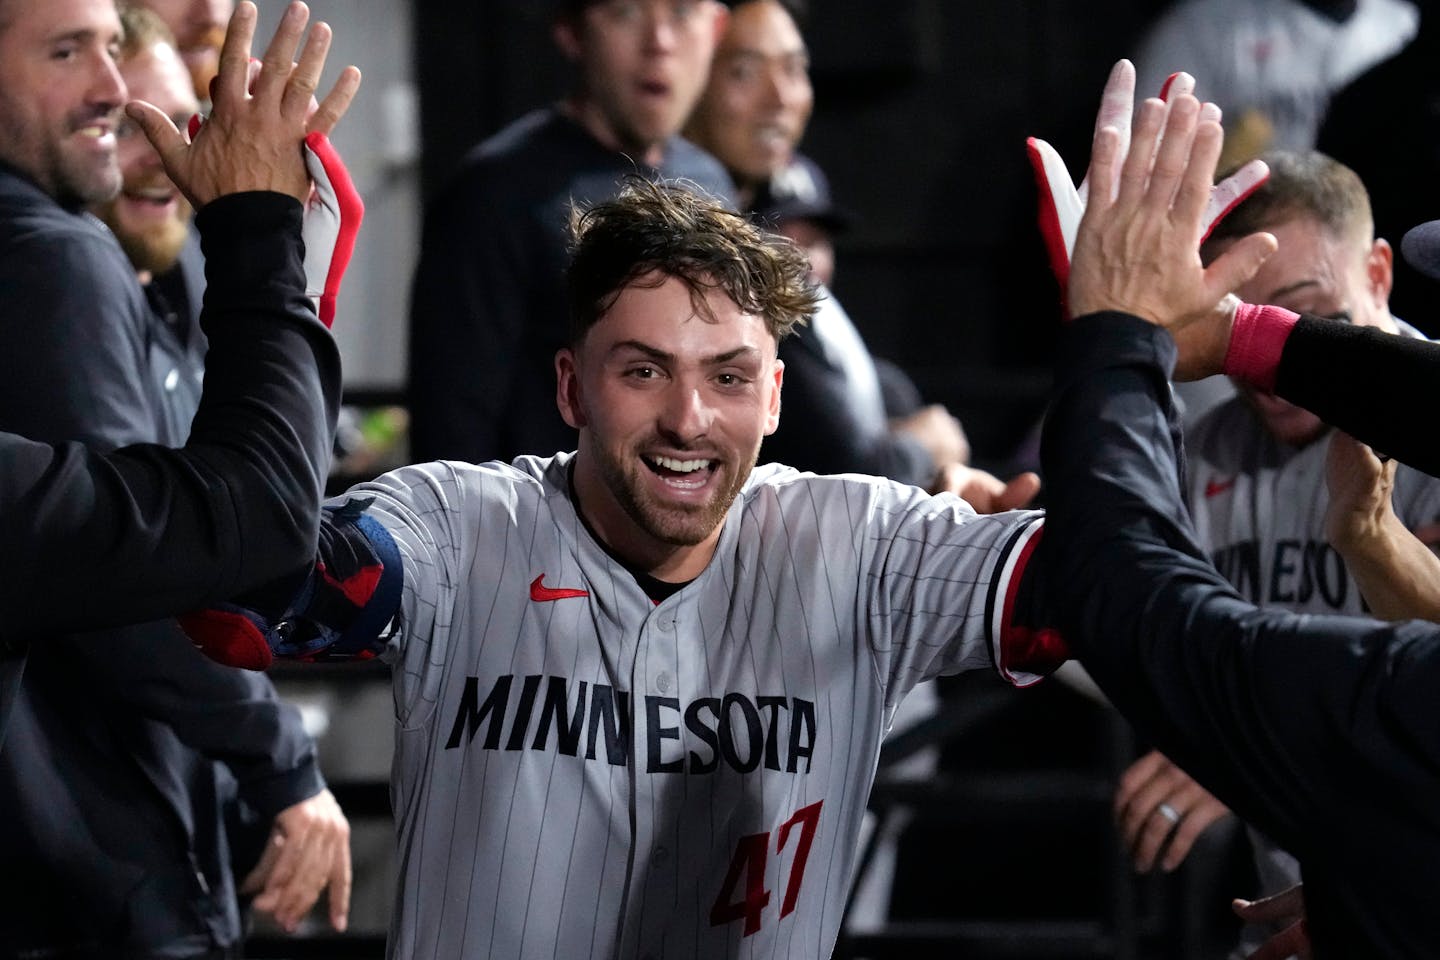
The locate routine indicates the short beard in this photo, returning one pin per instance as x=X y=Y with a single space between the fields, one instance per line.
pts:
x=156 y=250
x=692 y=527
x=76 y=182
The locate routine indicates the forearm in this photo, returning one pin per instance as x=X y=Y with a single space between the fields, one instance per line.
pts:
x=1354 y=378
x=1164 y=635
x=146 y=532
x=1398 y=575
x=272 y=385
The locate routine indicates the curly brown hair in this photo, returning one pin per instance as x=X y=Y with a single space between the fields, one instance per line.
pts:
x=674 y=229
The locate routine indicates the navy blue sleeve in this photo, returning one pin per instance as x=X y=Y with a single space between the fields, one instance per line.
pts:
x=1365 y=381
x=74 y=328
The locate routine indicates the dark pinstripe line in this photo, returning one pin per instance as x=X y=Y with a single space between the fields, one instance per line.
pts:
x=526 y=551
x=838 y=815
x=443 y=546
x=476 y=650
x=574 y=635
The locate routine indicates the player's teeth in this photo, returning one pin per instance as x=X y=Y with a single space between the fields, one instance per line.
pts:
x=681 y=466
x=91 y=132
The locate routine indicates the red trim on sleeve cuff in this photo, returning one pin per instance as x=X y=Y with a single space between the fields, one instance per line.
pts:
x=1026 y=655
x=1257 y=339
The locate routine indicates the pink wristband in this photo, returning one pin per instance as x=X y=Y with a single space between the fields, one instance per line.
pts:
x=1256 y=340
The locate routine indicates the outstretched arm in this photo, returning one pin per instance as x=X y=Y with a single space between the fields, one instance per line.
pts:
x=95 y=540
x=1213 y=681
x=1352 y=377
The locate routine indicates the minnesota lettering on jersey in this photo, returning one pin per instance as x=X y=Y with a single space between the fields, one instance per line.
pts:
x=1300 y=570
x=738 y=730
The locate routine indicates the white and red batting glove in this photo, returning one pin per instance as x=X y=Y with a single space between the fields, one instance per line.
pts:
x=332 y=221
x=1062 y=204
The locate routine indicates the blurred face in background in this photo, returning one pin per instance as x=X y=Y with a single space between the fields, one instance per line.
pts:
x=755 y=108
x=642 y=66
x=1346 y=276
x=199 y=29
x=60 y=95
x=817 y=242
x=149 y=216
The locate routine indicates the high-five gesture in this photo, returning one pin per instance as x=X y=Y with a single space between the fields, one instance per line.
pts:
x=252 y=139
x=1062 y=204
x=1139 y=252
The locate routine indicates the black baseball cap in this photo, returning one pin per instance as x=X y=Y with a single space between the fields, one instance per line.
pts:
x=1421 y=248
x=801 y=191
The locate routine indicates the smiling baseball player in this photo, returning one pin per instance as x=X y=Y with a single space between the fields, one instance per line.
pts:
x=641 y=688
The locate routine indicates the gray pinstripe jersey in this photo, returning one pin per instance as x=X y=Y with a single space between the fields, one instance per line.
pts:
x=581 y=772
x=1259 y=508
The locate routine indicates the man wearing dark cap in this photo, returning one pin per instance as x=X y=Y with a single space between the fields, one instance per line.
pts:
x=797 y=203
x=487 y=313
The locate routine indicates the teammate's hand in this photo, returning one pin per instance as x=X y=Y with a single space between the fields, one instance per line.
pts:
x=937 y=430
x=1360 y=485
x=252 y=138
x=1061 y=204
x=984 y=491
x=1287 y=907
x=1159 y=808
x=1139 y=253
x=308 y=850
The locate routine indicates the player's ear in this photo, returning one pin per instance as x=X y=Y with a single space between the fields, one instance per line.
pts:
x=1380 y=271
x=721 y=15
x=565 y=31
x=567 y=389
x=772 y=418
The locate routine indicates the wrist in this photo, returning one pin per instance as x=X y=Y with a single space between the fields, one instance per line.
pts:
x=1257 y=338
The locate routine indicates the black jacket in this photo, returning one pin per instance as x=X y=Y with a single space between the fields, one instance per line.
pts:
x=1322 y=731
x=111 y=833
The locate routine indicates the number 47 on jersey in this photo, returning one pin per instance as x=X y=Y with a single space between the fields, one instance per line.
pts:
x=751 y=854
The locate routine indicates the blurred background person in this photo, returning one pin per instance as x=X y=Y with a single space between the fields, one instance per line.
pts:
x=752 y=116
x=152 y=219
x=199 y=30
x=1271 y=65
x=1385 y=126
x=487 y=310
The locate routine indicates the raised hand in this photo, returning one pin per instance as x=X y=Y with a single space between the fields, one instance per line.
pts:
x=1139 y=252
x=1062 y=204
x=252 y=139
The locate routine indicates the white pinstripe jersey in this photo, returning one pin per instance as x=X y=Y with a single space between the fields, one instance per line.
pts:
x=582 y=772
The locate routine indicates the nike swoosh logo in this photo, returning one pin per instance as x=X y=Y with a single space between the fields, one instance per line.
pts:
x=542 y=594
x=1213 y=488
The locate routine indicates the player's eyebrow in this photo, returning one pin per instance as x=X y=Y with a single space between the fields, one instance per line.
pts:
x=662 y=356
x=82 y=35
x=1290 y=288
x=654 y=353
x=730 y=356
